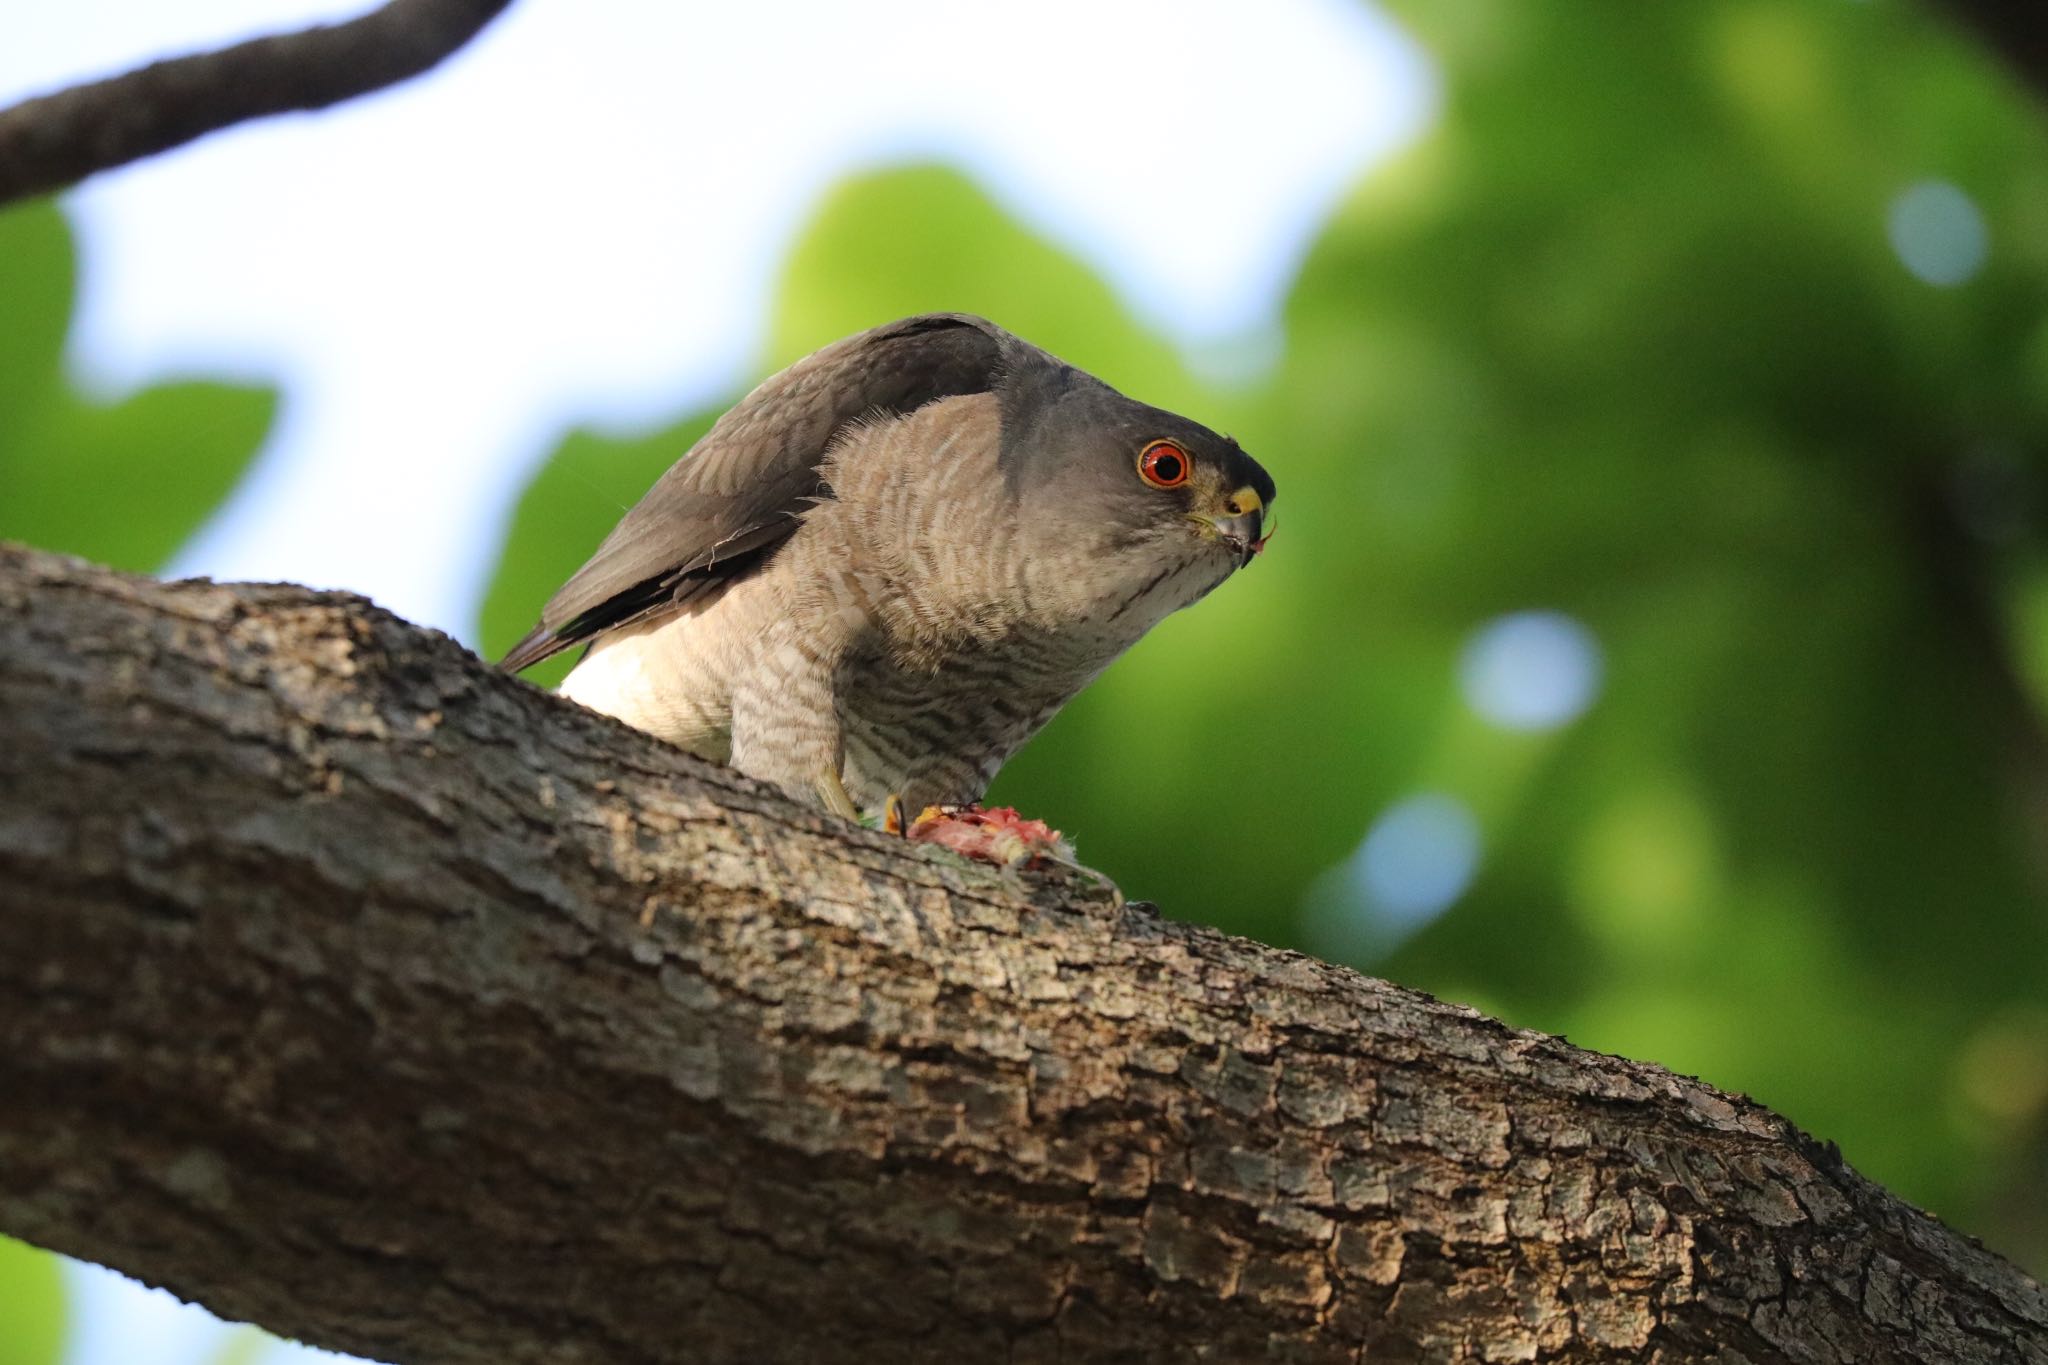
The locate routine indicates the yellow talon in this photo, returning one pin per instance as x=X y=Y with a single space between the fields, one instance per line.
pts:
x=833 y=792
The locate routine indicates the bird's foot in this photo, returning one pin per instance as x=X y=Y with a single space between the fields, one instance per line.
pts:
x=832 y=795
x=891 y=820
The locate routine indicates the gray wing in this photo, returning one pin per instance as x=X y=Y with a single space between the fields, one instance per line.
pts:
x=721 y=510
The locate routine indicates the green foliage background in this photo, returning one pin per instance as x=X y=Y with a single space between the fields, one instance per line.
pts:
x=1622 y=336
x=123 y=483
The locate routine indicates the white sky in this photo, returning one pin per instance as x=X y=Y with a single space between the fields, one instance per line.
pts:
x=577 y=220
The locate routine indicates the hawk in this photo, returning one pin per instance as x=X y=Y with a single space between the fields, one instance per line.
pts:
x=882 y=571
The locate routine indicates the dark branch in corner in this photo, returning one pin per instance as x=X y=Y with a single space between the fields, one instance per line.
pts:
x=57 y=140
x=2018 y=31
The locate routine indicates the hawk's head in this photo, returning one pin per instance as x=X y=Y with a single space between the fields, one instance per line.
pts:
x=1167 y=506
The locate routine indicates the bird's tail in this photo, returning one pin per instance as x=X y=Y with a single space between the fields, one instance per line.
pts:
x=539 y=643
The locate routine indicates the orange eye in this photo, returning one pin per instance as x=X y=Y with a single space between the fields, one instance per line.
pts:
x=1163 y=465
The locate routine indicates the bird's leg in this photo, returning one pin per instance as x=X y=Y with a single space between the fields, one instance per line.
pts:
x=787 y=732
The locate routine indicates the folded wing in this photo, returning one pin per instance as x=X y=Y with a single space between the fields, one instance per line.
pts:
x=721 y=510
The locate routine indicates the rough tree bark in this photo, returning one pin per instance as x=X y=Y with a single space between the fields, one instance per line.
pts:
x=356 y=990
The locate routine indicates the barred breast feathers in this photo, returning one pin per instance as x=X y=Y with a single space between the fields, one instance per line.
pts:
x=919 y=519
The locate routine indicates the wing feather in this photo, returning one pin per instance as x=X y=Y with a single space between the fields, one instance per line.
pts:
x=723 y=508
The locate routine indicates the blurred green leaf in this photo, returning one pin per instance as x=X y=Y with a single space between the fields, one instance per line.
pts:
x=923 y=239
x=242 y=1345
x=33 y=1305
x=38 y=272
x=124 y=484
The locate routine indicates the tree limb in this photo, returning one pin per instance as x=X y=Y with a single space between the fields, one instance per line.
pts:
x=354 y=989
x=57 y=140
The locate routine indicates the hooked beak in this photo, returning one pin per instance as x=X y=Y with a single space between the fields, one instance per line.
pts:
x=1246 y=526
x=1244 y=534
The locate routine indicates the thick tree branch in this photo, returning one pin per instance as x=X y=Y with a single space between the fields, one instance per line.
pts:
x=354 y=989
x=57 y=140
